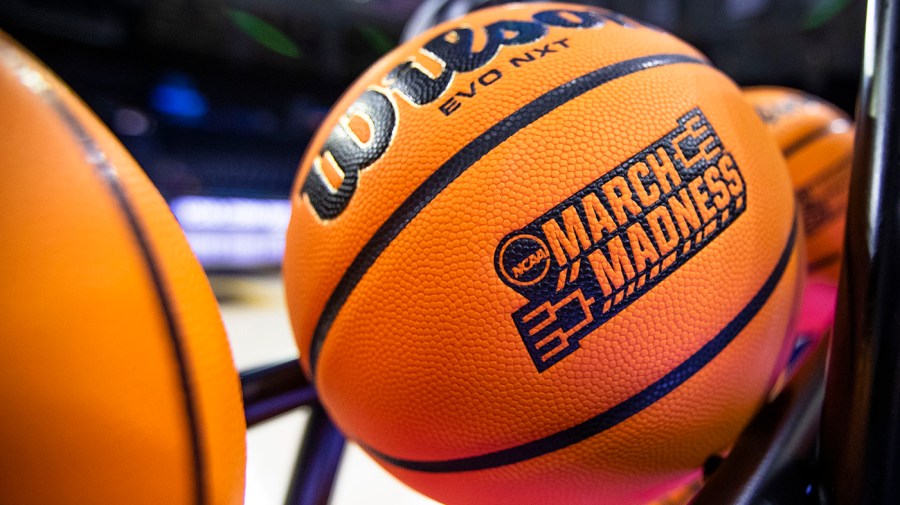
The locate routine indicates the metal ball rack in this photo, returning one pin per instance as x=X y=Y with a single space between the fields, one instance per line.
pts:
x=832 y=436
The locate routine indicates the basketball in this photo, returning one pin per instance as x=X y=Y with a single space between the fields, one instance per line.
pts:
x=543 y=253
x=118 y=381
x=817 y=141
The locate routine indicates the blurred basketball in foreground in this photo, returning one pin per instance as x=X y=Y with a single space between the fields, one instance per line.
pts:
x=118 y=384
x=817 y=141
x=543 y=254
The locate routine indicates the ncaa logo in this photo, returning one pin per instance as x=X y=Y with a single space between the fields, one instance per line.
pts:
x=523 y=260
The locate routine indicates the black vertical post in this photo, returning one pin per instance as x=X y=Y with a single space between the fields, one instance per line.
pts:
x=860 y=440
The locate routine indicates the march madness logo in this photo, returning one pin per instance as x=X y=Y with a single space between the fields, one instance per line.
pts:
x=588 y=258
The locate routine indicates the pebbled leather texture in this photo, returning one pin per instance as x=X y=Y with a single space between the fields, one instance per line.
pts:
x=424 y=363
x=119 y=386
x=817 y=140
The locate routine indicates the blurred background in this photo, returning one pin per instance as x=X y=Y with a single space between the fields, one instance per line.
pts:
x=217 y=99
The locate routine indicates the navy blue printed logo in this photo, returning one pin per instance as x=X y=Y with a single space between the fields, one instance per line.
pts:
x=588 y=258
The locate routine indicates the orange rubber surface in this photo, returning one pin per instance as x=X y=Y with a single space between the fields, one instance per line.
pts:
x=119 y=385
x=423 y=363
x=817 y=140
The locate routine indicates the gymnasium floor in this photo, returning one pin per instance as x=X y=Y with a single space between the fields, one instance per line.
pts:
x=256 y=319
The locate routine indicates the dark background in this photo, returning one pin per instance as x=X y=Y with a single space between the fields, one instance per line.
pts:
x=220 y=97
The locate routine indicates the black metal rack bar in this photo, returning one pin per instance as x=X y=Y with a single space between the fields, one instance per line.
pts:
x=317 y=462
x=274 y=389
x=773 y=460
x=860 y=440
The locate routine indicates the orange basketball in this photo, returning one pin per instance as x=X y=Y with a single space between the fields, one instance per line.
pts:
x=118 y=384
x=542 y=254
x=817 y=141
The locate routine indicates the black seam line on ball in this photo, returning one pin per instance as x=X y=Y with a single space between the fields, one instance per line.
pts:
x=95 y=155
x=809 y=138
x=622 y=411
x=459 y=163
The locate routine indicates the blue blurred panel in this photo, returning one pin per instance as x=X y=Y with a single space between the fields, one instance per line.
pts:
x=176 y=96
